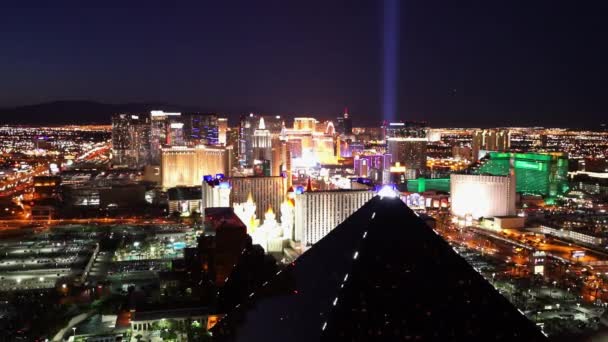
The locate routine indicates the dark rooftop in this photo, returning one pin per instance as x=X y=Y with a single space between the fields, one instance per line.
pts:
x=169 y=313
x=184 y=193
x=380 y=275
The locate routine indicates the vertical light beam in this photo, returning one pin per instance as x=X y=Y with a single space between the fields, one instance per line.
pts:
x=391 y=59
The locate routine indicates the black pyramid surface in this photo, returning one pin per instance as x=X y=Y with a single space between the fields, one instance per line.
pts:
x=381 y=275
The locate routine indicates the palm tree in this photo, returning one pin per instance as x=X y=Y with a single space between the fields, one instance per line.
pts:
x=176 y=215
x=196 y=217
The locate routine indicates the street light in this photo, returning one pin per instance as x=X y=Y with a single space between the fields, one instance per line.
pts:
x=74 y=329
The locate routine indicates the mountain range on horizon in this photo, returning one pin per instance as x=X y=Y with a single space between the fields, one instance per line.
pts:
x=81 y=112
x=77 y=112
x=94 y=112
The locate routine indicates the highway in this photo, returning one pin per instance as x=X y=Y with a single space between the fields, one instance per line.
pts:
x=552 y=246
x=514 y=248
x=22 y=181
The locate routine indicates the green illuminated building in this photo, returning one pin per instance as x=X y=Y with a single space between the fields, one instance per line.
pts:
x=542 y=174
x=424 y=184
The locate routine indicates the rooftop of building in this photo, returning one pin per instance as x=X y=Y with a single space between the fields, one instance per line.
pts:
x=184 y=193
x=177 y=148
x=337 y=191
x=253 y=177
x=578 y=230
x=220 y=217
x=169 y=313
x=594 y=176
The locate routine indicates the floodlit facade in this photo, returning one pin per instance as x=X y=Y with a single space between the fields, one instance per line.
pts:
x=265 y=191
x=318 y=212
x=215 y=194
x=324 y=148
x=222 y=128
x=428 y=184
x=482 y=196
x=490 y=140
x=281 y=160
x=186 y=166
x=269 y=234
x=287 y=217
x=305 y=124
x=311 y=143
x=246 y=212
x=544 y=174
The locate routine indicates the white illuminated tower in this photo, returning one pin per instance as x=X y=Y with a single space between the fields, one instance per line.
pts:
x=215 y=195
x=287 y=219
x=268 y=235
x=222 y=127
x=262 y=142
x=246 y=213
x=482 y=196
x=318 y=212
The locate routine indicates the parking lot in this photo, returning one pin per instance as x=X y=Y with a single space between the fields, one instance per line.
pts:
x=39 y=263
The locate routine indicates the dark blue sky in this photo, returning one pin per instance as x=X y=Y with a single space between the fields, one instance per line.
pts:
x=460 y=62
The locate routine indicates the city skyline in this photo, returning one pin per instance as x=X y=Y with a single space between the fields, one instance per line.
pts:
x=306 y=171
x=496 y=65
x=91 y=215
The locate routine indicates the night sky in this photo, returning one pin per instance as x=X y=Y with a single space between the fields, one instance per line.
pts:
x=460 y=63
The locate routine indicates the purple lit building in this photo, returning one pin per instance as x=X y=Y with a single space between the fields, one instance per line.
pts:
x=372 y=166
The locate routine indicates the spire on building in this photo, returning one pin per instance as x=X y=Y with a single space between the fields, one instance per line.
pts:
x=283 y=134
x=309 y=185
x=338 y=147
x=330 y=129
x=262 y=124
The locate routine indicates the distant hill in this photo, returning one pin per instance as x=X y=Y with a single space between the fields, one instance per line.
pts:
x=76 y=112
